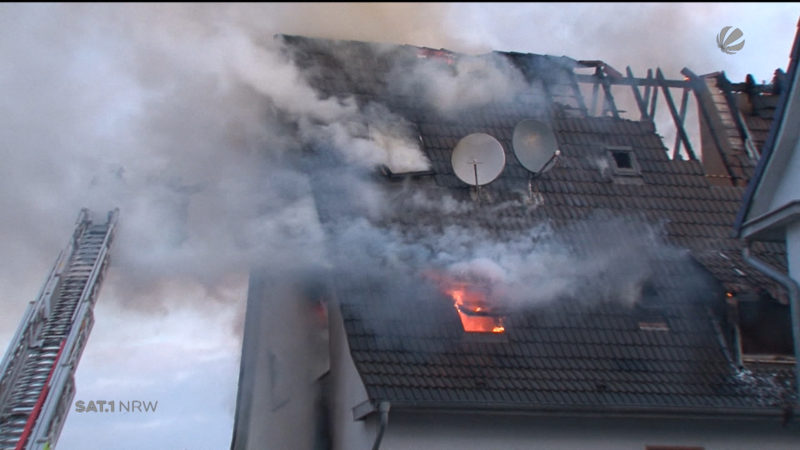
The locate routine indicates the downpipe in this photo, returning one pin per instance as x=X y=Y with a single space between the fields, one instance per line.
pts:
x=383 y=409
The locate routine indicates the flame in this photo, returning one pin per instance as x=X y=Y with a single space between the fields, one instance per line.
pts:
x=472 y=310
x=470 y=301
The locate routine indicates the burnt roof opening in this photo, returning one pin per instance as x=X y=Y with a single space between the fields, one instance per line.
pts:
x=475 y=310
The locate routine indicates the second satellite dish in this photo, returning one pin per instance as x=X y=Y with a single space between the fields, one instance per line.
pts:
x=478 y=159
x=534 y=144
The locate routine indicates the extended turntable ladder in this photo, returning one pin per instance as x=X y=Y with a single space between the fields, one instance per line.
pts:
x=37 y=371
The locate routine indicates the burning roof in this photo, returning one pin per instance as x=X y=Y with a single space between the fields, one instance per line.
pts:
x=584 y=254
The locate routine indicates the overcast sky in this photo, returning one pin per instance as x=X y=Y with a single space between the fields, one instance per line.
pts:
x=157 y=110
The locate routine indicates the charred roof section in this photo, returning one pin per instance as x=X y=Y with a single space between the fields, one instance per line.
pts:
x=735 y=121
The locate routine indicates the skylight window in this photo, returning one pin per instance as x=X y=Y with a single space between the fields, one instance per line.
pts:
x=650 y=317
x=623 y=161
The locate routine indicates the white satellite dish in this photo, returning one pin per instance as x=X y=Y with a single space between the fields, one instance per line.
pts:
x=534 y=145
x=478 y=159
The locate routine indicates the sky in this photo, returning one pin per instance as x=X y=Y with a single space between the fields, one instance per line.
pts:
x=160 y=110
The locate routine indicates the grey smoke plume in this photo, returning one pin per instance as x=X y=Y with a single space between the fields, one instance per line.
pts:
x=460 y=84
x=599 y=260
x=370 y=137
x=184 y=116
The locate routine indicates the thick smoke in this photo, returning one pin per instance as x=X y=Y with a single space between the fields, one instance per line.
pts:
x=455 y=85
x=186 y=117
x=189 y=119
x=370 y=137
x=600 y=260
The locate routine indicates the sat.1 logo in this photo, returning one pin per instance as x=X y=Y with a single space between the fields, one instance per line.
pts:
x=725 y=41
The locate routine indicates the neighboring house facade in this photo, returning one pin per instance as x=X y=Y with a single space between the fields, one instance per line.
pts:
x=771 y=209
x=601 y=303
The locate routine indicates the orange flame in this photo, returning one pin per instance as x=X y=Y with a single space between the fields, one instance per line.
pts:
x=472 y=310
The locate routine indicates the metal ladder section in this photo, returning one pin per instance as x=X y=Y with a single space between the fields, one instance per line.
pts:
x=37 y=371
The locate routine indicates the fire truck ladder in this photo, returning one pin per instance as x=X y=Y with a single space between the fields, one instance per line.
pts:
x=37 y=371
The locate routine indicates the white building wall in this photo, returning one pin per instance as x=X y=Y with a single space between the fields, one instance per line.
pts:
x=407 y=431
x=280 y=391
x=788 y=188
x=793 y=250
x=348 y=392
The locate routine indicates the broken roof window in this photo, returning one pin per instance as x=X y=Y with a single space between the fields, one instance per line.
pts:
x=478 y=306
x=472 y=301
x=476 y=315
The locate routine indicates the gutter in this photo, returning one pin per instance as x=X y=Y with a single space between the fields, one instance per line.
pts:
x=383 y=409
x=794 y=306
x=763 y=227
x=662 y=412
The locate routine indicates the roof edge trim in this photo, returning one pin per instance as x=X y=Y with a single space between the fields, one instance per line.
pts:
x=767 y=226
x=364 y=409
x=604 y=411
